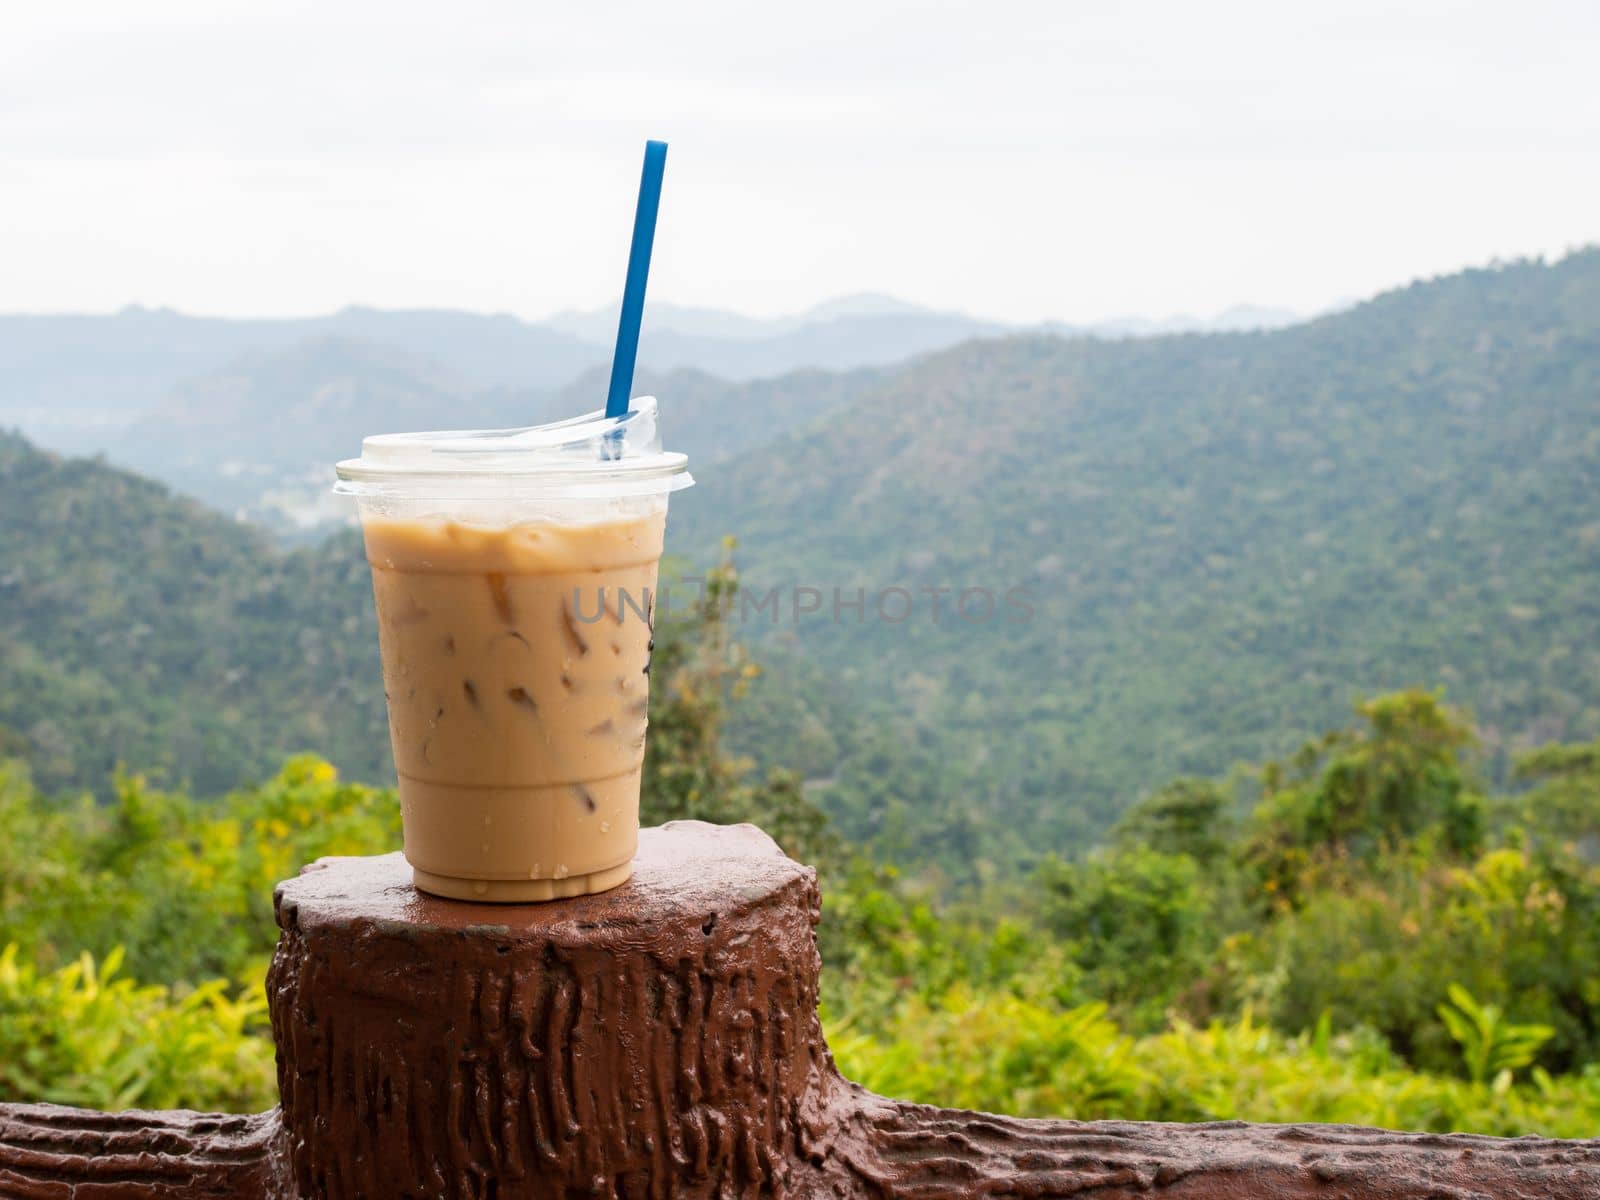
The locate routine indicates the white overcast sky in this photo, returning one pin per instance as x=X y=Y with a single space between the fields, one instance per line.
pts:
x=1023 y=159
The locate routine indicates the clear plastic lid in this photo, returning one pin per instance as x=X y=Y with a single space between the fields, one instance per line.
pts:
x=589 y=455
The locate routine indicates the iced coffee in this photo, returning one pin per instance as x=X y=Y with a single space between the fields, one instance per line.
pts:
x=515 y=625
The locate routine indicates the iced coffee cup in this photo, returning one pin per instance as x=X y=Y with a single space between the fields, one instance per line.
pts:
x=514 y=574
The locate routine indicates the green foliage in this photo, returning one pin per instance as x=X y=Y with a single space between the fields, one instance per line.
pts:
x=1561 y=810
x=81 y=1035
x=1383 y=951
x=1163 y=976
x=884 y=939
x=1369 y=889
x=1356 y=794
x=1135 y=921
x=1492 y=1047
x=1189 y=817
x=1242 y=1070
x=185 y=889
x=1374 y=929
x=1000 y=1053
x=137 y=628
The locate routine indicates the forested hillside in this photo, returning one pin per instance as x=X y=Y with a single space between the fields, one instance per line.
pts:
x=139 y=628
x=1223 y=540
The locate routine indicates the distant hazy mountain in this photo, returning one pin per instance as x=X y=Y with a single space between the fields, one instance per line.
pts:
x=835 y=345
x=869 y=304
x=868 y=328
x=77 y=383
x=711 y=419
x=258 y=439
x=1240 y=318
x=599 y=325
x=482 y=349
x=853 y=331
x=67 y=380
x=73 y=382
x=247 y=415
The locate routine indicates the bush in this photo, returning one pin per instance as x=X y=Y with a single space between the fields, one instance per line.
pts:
x=82 y=1035
x=1004 y=1054
x=997 y=1053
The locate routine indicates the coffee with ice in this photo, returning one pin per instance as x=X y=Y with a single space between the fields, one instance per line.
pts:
x=514 y=574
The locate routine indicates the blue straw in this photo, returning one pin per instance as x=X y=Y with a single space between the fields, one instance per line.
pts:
x=644 y=235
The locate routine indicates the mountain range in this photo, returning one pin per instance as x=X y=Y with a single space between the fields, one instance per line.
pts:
x=258 y=438
x=1222 y=542
x=1199 y=549
x=161 y=391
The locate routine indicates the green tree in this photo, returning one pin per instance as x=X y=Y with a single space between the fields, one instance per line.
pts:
x=1135 y=921
x=698 y=669
x=1562 y=808
x=1192 y=817
x=1355 y=794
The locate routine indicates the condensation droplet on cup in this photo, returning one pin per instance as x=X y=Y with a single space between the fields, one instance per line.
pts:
x=533 y=871
x=561 y=871
x=484 y=847
x=488 y=821
x=605 y=826
x=479 y=888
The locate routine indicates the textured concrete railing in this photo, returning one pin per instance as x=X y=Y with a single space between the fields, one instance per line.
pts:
x=660 y=1040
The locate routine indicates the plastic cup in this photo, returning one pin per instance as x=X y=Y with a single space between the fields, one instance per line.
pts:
x=514 y=576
